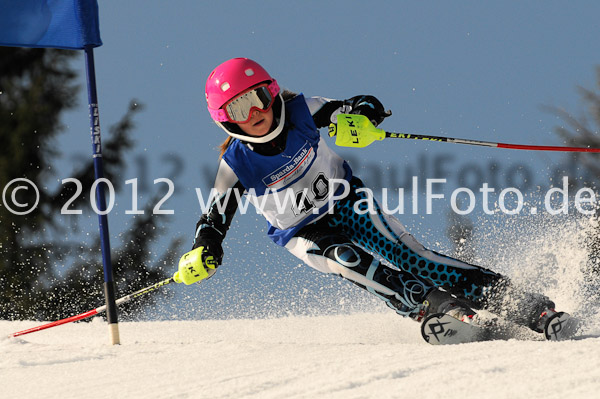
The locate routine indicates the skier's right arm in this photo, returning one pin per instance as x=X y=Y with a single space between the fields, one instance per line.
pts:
x=207 y=252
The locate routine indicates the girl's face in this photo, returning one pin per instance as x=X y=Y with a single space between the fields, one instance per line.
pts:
x=259 y=124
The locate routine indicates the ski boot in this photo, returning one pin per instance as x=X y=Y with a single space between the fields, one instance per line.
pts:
x=438 y=301
x=556 y=326
x=449 y=320
x=532 y=310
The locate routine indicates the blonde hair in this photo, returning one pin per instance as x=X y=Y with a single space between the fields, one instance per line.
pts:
x=224 y=146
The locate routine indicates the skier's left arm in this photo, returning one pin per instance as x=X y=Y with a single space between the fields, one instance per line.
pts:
x=325 y=111
x=207 y=253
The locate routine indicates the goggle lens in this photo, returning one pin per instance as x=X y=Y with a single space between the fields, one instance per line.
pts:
x=240 y=108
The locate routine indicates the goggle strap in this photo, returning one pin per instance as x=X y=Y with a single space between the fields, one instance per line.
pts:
x=218 y=115
x=274 y=88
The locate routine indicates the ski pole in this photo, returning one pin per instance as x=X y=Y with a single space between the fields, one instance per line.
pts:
x=96 y=311
x=358 y=131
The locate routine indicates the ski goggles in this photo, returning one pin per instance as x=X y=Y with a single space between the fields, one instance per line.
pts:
x=239 y=109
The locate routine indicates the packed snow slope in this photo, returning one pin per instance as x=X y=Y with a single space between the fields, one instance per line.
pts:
x=325 y=340
x=358 y=355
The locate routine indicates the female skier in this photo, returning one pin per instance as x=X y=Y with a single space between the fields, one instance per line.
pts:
x=274 y=153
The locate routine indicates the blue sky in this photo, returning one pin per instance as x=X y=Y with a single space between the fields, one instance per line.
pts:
x=470 y=69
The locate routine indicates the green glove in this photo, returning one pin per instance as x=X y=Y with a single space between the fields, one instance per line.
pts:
x=195 y=266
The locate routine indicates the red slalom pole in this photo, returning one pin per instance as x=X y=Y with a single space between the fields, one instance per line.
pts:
x=489 y=143
x=94 y=312
x=547 y=148
x=60 y=322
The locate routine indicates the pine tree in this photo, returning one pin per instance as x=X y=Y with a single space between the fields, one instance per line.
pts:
x=36 y=87
x=584 y=131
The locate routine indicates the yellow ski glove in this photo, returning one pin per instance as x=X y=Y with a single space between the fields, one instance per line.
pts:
x=195 y=266
x=354 y=131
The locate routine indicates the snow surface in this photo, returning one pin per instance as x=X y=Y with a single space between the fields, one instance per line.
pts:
x=343 y=346
x=358 y=355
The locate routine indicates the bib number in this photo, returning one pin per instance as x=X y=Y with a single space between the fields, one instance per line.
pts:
x=305 y=199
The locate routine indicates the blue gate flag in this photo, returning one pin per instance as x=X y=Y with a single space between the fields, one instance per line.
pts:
x=66 y=24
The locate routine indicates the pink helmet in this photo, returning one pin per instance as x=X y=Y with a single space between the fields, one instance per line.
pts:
x=230 y=79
